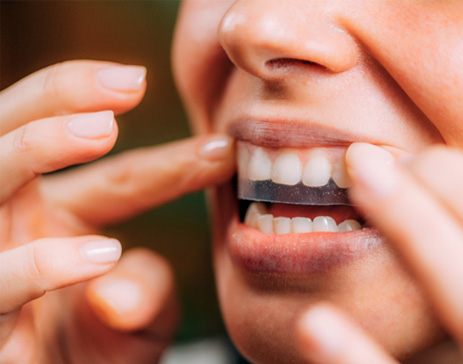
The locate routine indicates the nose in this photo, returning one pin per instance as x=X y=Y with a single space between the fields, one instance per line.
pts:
x=269 y=38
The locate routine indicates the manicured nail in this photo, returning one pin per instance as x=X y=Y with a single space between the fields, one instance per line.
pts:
x=373 y=167
x=120 y=295
x=216 y=148
x=122 y=78
x=103 y=251
x=322 y=328
x=92 y=126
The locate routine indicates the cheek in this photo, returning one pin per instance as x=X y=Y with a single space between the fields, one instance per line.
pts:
x=377 y=292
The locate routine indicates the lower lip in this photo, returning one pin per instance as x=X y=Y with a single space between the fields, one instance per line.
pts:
x=297 y=254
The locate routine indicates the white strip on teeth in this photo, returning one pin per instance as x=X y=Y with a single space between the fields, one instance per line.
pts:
x=312 y=167
x=258 y=218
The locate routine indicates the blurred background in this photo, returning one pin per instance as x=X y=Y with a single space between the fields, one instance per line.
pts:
x=35 y=34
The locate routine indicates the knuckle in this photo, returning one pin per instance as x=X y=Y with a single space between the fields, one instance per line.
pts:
x=124 y=176
x=37 y=268
x=56 y=87
x=21 y=141
x=51 y=83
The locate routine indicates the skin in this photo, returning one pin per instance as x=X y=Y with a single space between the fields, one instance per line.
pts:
x=371 y=311
x=400 y=60
x=53 y=307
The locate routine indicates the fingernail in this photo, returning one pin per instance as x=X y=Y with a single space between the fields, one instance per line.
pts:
x=216 y=148
x=373 y=167
x=122 y=78
x=103 y=251
x=322 y=328
x=120 y=295
x=92 y=126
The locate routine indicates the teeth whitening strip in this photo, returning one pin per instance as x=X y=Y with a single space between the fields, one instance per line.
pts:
x=268 y=191
x=311 y=176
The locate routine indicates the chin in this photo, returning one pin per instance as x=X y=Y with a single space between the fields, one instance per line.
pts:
x=275 y=257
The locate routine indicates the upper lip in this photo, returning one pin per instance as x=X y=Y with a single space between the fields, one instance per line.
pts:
x=288 y=133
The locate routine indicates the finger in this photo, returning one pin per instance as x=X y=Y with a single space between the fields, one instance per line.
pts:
x=138 y=295
x=51 y=144
x=125 y=185
x=416 y=223
x=71 y=87
x=29 y=271
x=439 y=170
x=327 y=336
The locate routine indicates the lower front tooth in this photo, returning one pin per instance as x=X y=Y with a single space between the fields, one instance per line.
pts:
x=282 y=225
x=349 y=225
x=252 y=214
x=324 y=224
x=265 y=223
x=301 y=225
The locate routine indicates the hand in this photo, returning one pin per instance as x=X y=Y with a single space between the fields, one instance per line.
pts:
x=62 y=116
x=418 y=206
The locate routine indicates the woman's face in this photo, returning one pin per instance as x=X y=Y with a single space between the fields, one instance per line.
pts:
x=296 y=82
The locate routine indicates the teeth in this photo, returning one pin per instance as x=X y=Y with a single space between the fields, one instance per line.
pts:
x=339 y=175
x=260 y=166
x=301 y=225
x=349 y=225
x=254 y=211
x=317 y=170
x=290 y=167
x=282 y=225
x=258 y=218
x=287 y=169
x=265 y=223
x=324 y=224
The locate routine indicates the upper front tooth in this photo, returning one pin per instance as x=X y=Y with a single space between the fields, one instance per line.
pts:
x=282 y=225
x=324 y=223
x=260 y=166
x=265 y=223
x=339 y=175
x=301 y=225
x=317 y=169
x=287 y=169
x=349 y=225
x=255 y=210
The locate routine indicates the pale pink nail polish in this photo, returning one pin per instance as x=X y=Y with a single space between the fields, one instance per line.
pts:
x=216 y=148
x=122 y=295
x=122 y=78
x=92 y=125
x=104 y=251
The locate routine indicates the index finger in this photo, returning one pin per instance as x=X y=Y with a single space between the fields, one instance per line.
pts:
x=420 y=227
x=122 y=186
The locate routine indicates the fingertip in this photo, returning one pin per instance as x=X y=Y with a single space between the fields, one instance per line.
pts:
x=132 y=295
x=102 y=251
x=122 y=78
x=318 y=333
x=91 y=135
x=216 y=148
x=117 y=301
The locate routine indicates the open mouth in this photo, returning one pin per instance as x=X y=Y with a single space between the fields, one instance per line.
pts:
x=296 y=190
x=294 y=214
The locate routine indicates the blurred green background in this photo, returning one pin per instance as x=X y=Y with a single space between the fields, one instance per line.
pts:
x=35 y=34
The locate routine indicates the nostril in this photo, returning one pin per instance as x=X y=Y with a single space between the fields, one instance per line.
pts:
x=285 y=64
